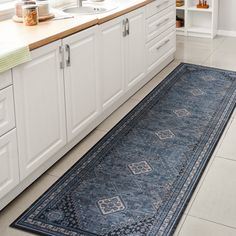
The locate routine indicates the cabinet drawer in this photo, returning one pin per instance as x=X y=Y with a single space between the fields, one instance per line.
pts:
x=9 y=170
x=5 y=79
x=157 y=6
x=7 y=117
x=158 y=48
x=160 y=22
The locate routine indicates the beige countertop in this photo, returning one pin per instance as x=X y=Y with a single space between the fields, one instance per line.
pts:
x=52 y=30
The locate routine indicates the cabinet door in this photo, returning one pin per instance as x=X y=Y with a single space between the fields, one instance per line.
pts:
x=7 y=117
x=9 y=170
x=5 y=79
x=40 y=107
x=111 y=61
x=81 y=84
x=135 y=47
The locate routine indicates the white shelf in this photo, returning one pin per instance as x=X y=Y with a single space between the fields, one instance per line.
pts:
x=181 y=29
x=197 y=29
x=180 y=8
x=194 y=8
x=199 y=22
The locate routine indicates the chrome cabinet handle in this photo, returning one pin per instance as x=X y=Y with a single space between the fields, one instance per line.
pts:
x=161 y=23
x=127 y=26
x=124 y=28
x=68 y=62
x=162 y=4
x=163 y=44
x=61 y=51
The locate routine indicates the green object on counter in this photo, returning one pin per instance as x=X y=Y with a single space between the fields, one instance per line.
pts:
x=12 y=57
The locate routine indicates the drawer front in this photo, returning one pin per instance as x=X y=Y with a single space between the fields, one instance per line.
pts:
x=158 y=48
x=5 y=79
x=7 y=116
x=9 y=170
x=157 y=6
x=160 y=22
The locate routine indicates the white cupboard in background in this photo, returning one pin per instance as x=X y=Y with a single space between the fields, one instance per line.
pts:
x=199 y=22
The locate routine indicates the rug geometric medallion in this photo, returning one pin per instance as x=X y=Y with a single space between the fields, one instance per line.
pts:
x=138 y=179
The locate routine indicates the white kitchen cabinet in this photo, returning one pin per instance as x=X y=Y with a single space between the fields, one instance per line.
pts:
x=5 y=79
x=157 y=6
x=7 y=116
x=111 y=61
x=122 y=55
x=160 y=35
x=40 y=107
x=9 y=170
x=81 y=81
x=135 y=48
x=159 y=47
x=160 y=22
x=72 y=85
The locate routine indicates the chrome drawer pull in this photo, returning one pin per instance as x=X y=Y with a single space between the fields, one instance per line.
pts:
x=161 y=23
x=68 y=63
x=124 y=28
x=161 y=4
x=61 y=52
x=127 y=26
x=167 y=41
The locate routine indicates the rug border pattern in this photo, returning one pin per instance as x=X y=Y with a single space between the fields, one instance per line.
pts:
x=186 y=192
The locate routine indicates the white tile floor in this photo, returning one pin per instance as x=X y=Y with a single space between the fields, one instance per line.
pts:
x=212 y=209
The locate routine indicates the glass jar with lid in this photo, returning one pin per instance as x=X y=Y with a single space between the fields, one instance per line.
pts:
x=30 y=15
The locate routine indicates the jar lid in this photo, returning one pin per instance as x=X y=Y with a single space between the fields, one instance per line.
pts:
x=24 y=2
x=32 y=6
x=30 y=2
x=44 y=2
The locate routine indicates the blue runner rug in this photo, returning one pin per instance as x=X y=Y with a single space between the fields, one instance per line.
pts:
x=139 y=178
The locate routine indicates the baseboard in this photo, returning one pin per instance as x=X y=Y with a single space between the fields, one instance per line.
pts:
x=226 y=33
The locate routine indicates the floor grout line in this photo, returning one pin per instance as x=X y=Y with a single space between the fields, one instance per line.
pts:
x=229 y=123
x=200 y=218
x=226 y=158
x=202 y=180
x=185 y=217
x=214 y=50
x=202 y=61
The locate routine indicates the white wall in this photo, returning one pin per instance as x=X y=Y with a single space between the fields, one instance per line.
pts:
x=227 y=15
